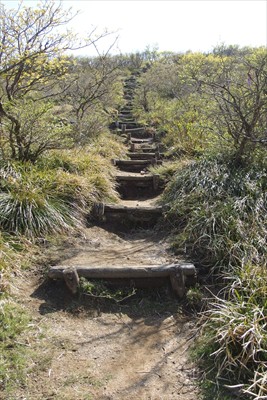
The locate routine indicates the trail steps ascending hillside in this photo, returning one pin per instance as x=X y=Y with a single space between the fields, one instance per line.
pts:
x=135 y=182
x=101 y=350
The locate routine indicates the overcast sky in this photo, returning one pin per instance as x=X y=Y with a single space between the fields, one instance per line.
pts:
x=176 y=25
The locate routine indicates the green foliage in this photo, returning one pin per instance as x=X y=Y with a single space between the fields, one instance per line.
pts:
x=233 y=347
x=40 y=129
x=205 y=101
x=219 y=213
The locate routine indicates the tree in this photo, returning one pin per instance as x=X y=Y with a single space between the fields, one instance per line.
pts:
x=239 y=90
x=32 y=63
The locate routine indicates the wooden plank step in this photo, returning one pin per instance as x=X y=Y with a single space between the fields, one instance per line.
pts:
x=127 y=115
x=130 y=121
x=144 y=156
x=134 y=186
x=101 y=209
x=144 y=148
x=138 y=135
x=137 y=130
x=128 y=96
x=141 y=140
x=147 y=149
x=135 y=165
x=128 y=107
x=135 y=178
x=179 y=274
x=122 y=215
x=136 y=162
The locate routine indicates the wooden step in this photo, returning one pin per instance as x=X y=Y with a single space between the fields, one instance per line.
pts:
x=128 y=121
x=127 y=108
x=139 y=213
x=125 y=115
x=144 y=156
x=143 y=180
x=128 y=96
x=136 y=140
x=134 y=186
x=135 y=165
x=180 y=274
x=129 y=124
x=144 y=148
x=122 y=216
x=136 y=131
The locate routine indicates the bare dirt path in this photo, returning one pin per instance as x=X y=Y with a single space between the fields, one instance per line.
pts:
x=97 y=349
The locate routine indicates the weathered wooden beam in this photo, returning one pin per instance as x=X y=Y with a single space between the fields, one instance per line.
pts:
x=178 y=274
x=132 y=162
x=125 y=215
x=142 y=140
x=131 y=209
x=134 y=178
x=129 y=271
x=141 y=156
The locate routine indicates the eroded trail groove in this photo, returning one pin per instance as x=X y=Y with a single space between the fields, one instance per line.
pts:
x=138 y=349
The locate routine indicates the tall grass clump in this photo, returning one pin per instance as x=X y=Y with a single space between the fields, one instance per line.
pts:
x=33 y=203
x=233 y=346
x=218 y=213
x=56 y=193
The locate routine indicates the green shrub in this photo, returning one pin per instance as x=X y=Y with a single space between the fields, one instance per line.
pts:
x=219 y=213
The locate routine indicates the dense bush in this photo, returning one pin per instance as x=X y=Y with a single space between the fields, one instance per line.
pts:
x=218 y=212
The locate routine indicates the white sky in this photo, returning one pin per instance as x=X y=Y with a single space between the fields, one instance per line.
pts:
x=175 y=25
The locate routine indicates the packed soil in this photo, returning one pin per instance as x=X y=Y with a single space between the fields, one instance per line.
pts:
x=88 y=348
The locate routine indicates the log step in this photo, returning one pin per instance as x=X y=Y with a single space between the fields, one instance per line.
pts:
x=134 y=186
x=136 y=178
x=144 y=148
x=180 y=274
x=140 y=140
x=135 y=165
x=144 y=156
x=125 y=216
x=138 y=130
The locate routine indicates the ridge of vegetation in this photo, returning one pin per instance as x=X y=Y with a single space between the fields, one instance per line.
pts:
x=209 y=111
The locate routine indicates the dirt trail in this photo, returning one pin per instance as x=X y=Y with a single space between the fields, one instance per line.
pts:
x=96 y=349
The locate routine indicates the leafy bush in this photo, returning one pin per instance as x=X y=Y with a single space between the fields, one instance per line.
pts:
x=233 y=347
x=219 y=213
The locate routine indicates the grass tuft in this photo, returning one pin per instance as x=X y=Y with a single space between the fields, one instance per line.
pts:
x=233 y=347
x=219 y=213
